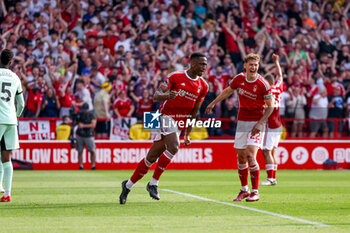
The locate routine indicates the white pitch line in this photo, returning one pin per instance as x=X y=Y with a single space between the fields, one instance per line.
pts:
x=249 y=208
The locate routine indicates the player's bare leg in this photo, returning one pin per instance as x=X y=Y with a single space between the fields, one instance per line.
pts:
x=172 y=144
x=270 y=167
x=273 y=153
x=155 y=151
x=243 y=174
x=8 y=172
x=251 y=153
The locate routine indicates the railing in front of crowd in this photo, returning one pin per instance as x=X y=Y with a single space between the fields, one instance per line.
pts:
x=44 y=128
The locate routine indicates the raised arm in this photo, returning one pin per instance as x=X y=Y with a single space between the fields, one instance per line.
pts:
x=276 y=60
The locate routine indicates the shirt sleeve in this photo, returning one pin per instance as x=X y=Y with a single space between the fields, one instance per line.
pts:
x=169 y=81
x=234 y=82
x=266 y=90
x=19 y=89
x=279 y=85
x=203 y=93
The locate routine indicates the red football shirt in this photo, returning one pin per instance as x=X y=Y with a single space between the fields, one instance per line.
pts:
x=274 y=120
x=34 y=100
x=189 y=92
x=123 y=106
x=67 y=100
x=145 y=105
x=223 y=79
x=252 y=95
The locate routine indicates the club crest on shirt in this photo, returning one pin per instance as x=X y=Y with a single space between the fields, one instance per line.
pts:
x=199 y=89
x=255 y=87
x=181 y=93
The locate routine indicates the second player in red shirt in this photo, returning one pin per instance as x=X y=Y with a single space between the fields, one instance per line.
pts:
x=254 y=94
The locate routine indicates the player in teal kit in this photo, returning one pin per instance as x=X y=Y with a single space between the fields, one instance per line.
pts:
x=10 y=89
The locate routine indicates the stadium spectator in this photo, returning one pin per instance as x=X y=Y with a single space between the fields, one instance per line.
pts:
x=336 y=110
x=123 y=106
x=102 y=102
x=34 y=101
x=145 y=103
x=97 y=79
x=86 y=122
x=63 y=131
x=51 y=104
x=295 y=109
x=318 y=114
x=83 y=94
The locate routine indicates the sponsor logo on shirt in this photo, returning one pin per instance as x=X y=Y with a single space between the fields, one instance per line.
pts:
x=247 y=94
x=187 y=95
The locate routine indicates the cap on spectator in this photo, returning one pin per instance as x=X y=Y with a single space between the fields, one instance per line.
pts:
x=84 y=107
x=106 y=86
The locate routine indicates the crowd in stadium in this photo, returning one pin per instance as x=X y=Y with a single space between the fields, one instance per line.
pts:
x=113 y=55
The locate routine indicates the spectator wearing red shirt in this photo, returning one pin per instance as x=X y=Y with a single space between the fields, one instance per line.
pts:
x=145 y=103
x=109 y=40
x=123 y=106
x=67 y=99
x=334 y=84
x=218 y=78
x=34 y=101
x=122 y=17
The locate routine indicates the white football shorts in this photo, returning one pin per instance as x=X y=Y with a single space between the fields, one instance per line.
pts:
x=167 y=126
x=272 y=138
x=244 y=136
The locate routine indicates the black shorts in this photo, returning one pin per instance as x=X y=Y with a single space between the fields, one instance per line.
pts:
x=103 y=126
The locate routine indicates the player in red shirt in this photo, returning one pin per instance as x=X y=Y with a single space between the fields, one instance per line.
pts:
x=183 y=93
x=253 y=92
x=274 y=125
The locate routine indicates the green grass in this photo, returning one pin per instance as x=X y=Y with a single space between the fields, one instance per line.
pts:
x=88 y=201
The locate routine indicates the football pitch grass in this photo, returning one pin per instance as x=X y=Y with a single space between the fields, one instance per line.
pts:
x=88 y=201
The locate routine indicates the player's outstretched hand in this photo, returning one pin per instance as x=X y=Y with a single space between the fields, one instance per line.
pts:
x=275 y=57
x=172 y=95
x=187 y=140
x=209 y=109
x=258 y=127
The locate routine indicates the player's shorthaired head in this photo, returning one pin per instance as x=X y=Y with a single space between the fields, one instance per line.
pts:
x=6 y=57
x=270 y=79
x=198 y=63
x=252 y=57
x=197 y=55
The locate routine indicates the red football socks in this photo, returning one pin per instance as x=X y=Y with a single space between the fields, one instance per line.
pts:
x=141 y=170
x=162 y=163
x=270 y=171
x=254 y=176
x=243 y=174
